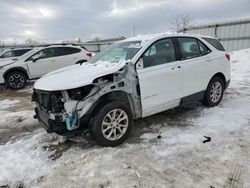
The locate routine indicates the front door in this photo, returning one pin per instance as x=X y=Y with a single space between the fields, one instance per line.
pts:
x=160 y=78
x=42 y=62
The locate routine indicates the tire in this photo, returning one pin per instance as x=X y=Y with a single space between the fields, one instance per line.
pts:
x=104 y=126
x=16 y=80
x=214 y=92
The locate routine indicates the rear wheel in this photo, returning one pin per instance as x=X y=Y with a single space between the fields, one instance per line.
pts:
x=16 y=80
x=214 y=92
x=111 y=124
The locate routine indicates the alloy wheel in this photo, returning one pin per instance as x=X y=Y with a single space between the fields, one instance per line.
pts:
x=216 y=92
x=115 y=124
x=16 y=81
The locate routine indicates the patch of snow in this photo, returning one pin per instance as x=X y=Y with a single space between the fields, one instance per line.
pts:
x=12 y=120
x=145 y=38
x=6 y=103
x=24 y=160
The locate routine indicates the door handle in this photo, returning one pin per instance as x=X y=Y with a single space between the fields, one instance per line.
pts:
x=176 y=67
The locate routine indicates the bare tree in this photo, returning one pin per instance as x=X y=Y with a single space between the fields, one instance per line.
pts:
x=30 y=42
x=180 y=22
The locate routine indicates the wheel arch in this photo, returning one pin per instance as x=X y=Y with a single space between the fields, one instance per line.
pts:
x=18 y=69
x=113 y=96
x=220 y=75
x=106 y=98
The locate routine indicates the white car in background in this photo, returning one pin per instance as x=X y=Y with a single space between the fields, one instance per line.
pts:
x=40 y=61
x=13 y=53
x=132 y=79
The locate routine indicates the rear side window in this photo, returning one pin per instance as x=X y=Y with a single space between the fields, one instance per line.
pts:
x=60 y=51
x=203 y=48
x=215 y=43
x=21 y=52
x=192 y=47
x=189 y=47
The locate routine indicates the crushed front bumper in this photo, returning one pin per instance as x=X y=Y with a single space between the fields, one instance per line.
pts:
x=51 y=125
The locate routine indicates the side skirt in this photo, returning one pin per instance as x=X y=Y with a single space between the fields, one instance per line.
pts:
x=192 y=98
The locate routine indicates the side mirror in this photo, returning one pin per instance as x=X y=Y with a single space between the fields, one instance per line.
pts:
x=34 y=59
x=139 y=64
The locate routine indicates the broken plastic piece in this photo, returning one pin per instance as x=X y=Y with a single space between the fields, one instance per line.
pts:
x=208 y=139
x=72 y=122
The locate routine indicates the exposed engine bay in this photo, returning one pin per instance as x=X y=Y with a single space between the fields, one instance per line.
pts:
x=71 y=106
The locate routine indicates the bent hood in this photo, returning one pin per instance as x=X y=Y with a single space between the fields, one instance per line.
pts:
x=76 y=76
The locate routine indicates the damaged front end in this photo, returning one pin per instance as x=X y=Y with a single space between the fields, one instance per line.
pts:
x=70 y=110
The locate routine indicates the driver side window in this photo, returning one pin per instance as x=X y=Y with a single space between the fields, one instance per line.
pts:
x=159 y=53
x=42 y=54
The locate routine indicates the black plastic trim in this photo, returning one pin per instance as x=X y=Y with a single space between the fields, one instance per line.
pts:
x=192 y=98
x=227 y=84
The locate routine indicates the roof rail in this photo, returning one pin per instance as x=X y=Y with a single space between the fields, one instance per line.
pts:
x=61 y=44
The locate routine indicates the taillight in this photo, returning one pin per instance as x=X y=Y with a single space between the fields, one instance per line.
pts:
x=227 y=56
x=89 y=54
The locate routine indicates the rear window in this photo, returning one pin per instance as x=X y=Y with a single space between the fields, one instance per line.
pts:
x=215 y=43
x=21 y=52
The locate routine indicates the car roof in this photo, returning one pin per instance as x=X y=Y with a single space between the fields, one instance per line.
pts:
x=153 y=37
x=60 y=45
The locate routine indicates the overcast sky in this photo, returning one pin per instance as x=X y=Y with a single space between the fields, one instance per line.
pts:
x=57 y=20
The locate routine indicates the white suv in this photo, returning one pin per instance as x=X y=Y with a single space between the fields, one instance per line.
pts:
x=132 y=79
x=39 y=61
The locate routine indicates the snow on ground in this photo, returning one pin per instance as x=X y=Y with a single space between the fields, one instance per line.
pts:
x=6 y=103
x=164 y=150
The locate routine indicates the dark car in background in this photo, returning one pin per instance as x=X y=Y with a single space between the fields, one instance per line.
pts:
x=13 y=53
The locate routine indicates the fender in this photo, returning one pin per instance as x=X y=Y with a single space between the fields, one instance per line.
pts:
x=17 y=69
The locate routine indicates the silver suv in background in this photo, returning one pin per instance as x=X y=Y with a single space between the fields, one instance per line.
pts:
x=40 y=61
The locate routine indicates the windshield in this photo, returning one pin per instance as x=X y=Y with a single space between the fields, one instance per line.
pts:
x=118 y=52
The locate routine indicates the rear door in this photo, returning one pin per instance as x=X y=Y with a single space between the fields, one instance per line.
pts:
x=160 y=79
x=195 y=63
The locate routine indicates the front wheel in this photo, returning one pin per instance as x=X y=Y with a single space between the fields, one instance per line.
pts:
x=112 y=124
x=214 y=92
x=16 y=80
